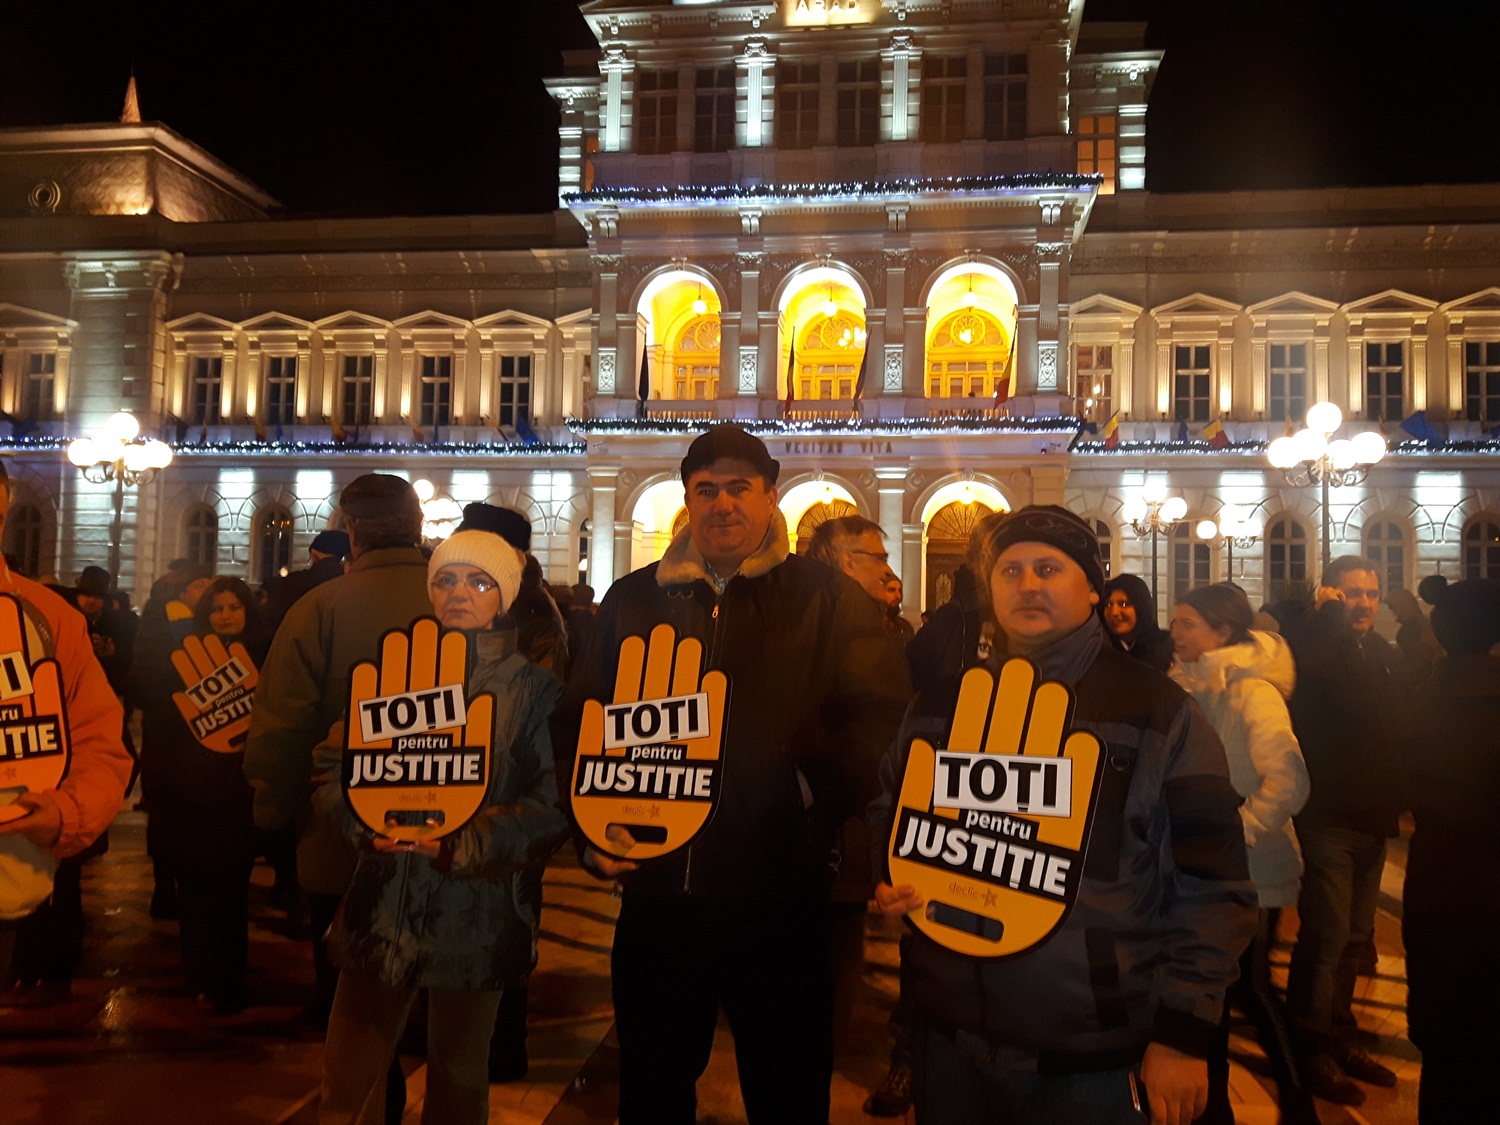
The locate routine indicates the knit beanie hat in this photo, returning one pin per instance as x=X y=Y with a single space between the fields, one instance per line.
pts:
x=507 y=523
x=489 y=553
x=1054 y=526
x=730 y=441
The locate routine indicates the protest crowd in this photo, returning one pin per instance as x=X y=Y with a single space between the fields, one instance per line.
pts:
x=1083 y=825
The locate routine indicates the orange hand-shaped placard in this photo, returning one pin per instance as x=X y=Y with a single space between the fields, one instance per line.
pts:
x=992 y=829
x=649 y=761
x=34 y=746
x=218 y=683
x=417 y=757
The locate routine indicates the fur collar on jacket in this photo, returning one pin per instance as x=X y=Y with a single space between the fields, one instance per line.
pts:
x=683 y=564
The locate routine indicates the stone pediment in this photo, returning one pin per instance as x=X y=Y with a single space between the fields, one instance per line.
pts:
x=1197 y=304
x=201 y=322
x=511 y=318
x=19 y=317
x=1391 y=301
x=1486 y=300
x=351 y=321
x=430 y=320
x=1293 y=304
x=276 y=322
x=1101 y=304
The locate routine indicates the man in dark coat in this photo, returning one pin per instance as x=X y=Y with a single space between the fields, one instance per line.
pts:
x=1346 y=716
x=740 y=917
x=326 y=562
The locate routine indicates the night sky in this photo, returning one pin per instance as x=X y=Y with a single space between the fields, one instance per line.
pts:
x=332 y=115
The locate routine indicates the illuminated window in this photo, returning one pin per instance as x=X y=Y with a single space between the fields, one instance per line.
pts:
x=515 y=388
x=1385 y=381
x=797 y=104
x=695 y=364
x=1106 y=539
x=1482 y=380
x=858 y=103
x=437 y=390
x=37 y=401
x=1191 y=564
x=1482 y=549
x=200 y=535
x=583 y=550
x=271 y=542
x=1098 y=146
x=205 y=388
x=1192 y=377
x=1094 y=365
x=1385 y=546
x=967 y=356
x=1286 y=552
x=1286 y=382
x=655 y=111
x=713 y=109
x=1004 y=97
x=356 y=390
x=23 y=538
x=280 y=406
x=944 y=89
x=590 y=147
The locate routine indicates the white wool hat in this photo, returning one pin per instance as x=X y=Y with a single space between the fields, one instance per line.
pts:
x=489 y=553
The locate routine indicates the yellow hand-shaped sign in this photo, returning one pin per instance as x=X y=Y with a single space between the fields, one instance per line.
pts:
x=34 y=746
x=218 y=683
x=991 y=830
x=648 y=762
x=417 y=757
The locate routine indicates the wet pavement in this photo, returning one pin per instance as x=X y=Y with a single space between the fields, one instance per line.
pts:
x=130 y=1046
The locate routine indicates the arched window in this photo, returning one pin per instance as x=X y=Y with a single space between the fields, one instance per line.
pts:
x=1385 y=546
x=23 y=538
x=1286 y=552
x=968 y=355
x=819 y=514
x=948 y=535
x=271 y=542
x=1482 y=548
x=200 y=536
x=1106 y=539
x=1192 y=563
x=695 y=363
x=583 y=551
x=828 y=356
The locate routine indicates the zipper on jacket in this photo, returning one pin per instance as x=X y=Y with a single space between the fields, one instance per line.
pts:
x=713 y=650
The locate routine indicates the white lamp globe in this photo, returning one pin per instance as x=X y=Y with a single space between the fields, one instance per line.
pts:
x=1324 y=417
x=1369 y=447
x=158 y=454
x=122 y=426
x=1134 y=509
x=137 y=458
x=1154 y=490
x=1310 y=444
x=1207 y=529
x=1282 y=453
x=1174 y=509
x=424 y=489
x=81 y=452
x=1341 y=453
x=1250 y=529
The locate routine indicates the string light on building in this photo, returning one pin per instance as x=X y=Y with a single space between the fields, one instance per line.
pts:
x=1313 y=456
x=117 y=454
x=1151 y=513
x=1235 y=530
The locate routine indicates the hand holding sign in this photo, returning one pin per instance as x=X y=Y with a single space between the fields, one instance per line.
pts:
x=417 y=763
x=34 y=744
x=646 y=778
x=218 y=683
x=992 y=839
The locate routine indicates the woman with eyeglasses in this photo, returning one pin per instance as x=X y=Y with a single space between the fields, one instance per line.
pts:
x=446 y=915
x=1242 y=679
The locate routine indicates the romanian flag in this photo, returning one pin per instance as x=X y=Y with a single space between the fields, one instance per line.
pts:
x=859 y=381
x=1112 y=431
x=791 y=374
x=1214 y=434
x=1002 y=384
x=340 y=435
x=418 y=434
x=260 y=429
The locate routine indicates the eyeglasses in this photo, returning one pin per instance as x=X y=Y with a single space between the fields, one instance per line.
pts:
x=878 y=556
x=477 y=583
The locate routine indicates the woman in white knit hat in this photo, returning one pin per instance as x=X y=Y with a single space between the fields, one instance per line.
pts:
x=445 y=915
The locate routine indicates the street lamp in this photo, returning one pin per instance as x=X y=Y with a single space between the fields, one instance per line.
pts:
x=117 y=454
x=1151 y=513
x=1310 y=456
x=1234 y=529
x=440 y=514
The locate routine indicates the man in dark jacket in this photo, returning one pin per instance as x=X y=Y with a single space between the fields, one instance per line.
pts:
x=326 y=558
x=304 y=686
x=1131 y=979
x=739 y=917
x=1345 y=711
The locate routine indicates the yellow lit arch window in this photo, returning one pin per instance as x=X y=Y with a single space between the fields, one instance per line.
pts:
x=695 y=363
x=968 y=355
x=828 y=357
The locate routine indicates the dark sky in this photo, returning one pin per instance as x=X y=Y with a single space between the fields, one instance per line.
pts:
x=447 y=115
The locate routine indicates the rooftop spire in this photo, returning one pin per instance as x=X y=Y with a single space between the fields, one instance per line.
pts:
x=131 y=113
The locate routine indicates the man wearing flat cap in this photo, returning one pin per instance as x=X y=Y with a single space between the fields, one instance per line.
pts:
x=304 y=685
x=1117 y=1005
x=738 y=918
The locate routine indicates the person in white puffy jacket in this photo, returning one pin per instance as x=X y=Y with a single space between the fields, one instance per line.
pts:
x=1242 y=679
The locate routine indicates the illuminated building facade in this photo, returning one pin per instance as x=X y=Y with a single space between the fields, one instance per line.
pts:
x=908 y=241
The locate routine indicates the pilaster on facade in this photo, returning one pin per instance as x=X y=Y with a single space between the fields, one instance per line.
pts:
x=900 y=88
x=756 y=85
x=890 y=482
